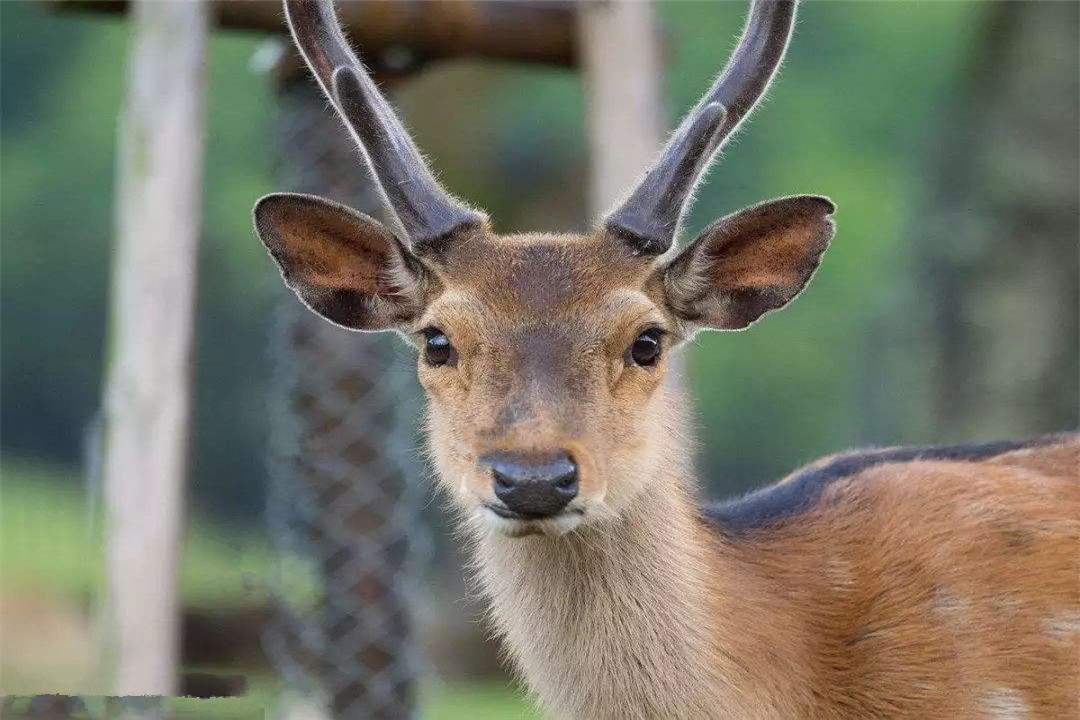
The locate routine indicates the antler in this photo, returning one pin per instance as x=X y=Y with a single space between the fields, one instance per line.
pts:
x=428 y=214
x=649 y=218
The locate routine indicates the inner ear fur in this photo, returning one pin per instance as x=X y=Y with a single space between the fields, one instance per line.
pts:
x=344 y=265
x=750 y=262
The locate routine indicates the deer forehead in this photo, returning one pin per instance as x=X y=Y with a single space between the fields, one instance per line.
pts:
x=510 y=284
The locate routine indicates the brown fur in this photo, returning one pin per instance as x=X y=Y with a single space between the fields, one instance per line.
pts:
x=942 y=589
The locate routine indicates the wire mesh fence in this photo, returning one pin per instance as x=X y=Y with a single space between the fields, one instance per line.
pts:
x=345 y=499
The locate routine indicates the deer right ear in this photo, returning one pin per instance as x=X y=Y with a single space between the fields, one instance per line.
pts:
x=750 y=262
x=342 y=264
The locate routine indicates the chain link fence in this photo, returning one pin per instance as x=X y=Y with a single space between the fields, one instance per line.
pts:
x=345 y=499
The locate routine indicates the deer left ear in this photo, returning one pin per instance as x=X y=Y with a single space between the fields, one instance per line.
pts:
x=341 y=263
x=750 y=262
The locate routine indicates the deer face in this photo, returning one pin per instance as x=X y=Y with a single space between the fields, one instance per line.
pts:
x=543 y=360
x=543 y=356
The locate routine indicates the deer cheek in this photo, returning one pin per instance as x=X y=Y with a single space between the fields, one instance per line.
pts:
x=445 y=384
x=591 y=481
x=430 y=383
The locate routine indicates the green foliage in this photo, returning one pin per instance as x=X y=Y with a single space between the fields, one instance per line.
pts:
x=56 y=172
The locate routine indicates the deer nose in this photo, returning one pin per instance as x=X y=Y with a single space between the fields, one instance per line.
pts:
x=533 y=486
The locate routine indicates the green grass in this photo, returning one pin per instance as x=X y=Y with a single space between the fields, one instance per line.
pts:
x=172 y=708
x=460 y=702
x=478 y=701
x=47 y=539
x=51 y=538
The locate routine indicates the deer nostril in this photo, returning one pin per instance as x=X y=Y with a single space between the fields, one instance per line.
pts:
x=501 y=481
x=533 y=486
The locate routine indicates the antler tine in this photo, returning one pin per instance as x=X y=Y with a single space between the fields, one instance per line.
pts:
x=428 y=214
x=649 y=219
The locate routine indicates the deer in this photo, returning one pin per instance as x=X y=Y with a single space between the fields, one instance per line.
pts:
x=908 y=582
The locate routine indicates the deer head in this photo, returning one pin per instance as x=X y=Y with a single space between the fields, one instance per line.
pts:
x=543 y=356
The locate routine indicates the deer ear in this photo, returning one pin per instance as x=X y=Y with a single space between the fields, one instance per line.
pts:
x=341 y=263
x=750 y=262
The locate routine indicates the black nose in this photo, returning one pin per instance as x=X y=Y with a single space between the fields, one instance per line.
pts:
x=533 y=486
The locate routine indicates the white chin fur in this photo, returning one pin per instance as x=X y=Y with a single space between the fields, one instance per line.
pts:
x=558 y=525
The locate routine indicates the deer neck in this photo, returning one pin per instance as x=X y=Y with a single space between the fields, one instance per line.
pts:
x=613 y=621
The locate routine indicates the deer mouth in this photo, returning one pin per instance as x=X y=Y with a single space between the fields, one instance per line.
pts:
x=505 y=512
x=516 y=524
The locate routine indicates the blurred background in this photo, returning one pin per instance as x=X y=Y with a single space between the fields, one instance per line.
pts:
x=946 y=309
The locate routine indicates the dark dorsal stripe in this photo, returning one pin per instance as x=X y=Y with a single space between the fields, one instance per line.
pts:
x=768 y=505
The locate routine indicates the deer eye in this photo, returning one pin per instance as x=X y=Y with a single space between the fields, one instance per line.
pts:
x=437 y=348
x=646 y=348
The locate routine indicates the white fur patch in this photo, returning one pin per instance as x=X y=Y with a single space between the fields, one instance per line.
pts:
x=559 y=525
x=841 y=574
x=948 y=604
x=1063 y=625
x=1005 y=704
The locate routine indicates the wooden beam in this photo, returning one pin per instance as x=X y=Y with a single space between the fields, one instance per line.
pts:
x=149 y=384
x=541 y=31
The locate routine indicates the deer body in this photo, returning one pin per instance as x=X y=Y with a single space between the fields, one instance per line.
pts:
x=896 y=583
x=922 y=589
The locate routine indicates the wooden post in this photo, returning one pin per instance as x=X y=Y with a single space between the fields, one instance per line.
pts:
x=148 y=386
x=622 y=67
